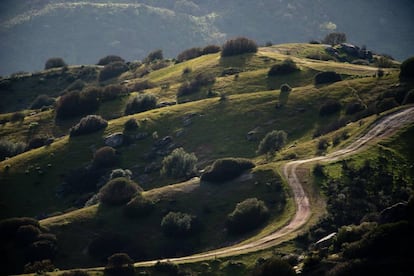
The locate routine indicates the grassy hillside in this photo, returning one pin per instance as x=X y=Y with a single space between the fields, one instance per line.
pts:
x=227 y=117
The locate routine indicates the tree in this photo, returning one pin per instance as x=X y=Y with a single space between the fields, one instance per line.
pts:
x=177 y=224
x=407 y=70
x=179 y=164
x=120 y=264
x=334 y=38
x=247 y=215
x=110 y=58
x=55 y=62
x=118 y=191
x=141 y=103
x=272 y=142
x=104 y=157
x=153 y=56
x=238 y=46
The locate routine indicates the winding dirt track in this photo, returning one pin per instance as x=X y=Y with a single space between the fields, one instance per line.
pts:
x=381 y=129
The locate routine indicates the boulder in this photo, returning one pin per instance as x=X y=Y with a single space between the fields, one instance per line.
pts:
x=115 y=140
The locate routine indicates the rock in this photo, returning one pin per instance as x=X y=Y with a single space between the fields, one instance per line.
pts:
x=115 y=140
x=164 y=104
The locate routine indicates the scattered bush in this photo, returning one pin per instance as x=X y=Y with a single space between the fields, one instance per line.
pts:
x=274 y=266
x=17 y=117
x=42 y=250
x=9 y=227
x=120 y=264
x=176 y=224
x=407 y=70
x=334 y=38
x=109 y=59
x=76 y=85
x=238 y=46
x=384 y=62
x=88 y=124
x=37 y=142
x=247 y=215
x=386 y=104
x=323 y=144
x=179 y=164
x=327 y=77
x=226 y=169
x=41 y=101
x=131 y=125
x=167 y=267
x=141 y=103
x=10 y=149
x=120 y=173
x=75 y=273
x=202 y=79
x=118 y=191
x=288 y=66
x=55 y=62
x=27 y=234
x=139 y=206
x=111 y=92
x=272 y=142
x=153 y=56
x=112 y=70
x=354 y=107
x=142 y=85
x=285 y=88
x=39 y=267
x=104 y=157
x=330 y=107
x=211 y=49
x=189 y=54
x=76 y=103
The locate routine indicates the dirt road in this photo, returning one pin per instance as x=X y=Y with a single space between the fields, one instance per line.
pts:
x=381 y=129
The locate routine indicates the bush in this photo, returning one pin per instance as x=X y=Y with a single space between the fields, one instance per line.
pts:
x=386 y=104
x=139 y=206
x=211 y=49
x=354 y=107
x=27 y=234
x=55 y=63
x=9 y=227
x=323 y=144
x=384 y=62
x=111 y=92
x=37 y=142
x=75 y=273
x=120 y=264
x=285 y=88
x=142 y=85
x=39 y=267
x=272 y=142
x=288 y=66
x=330 y=107
x=238 y=46
x=179 y=164
x=169 y=268
x=10 y=149
x=226 y=169
x=42 y=250
x=88 y=124
x=327 y=77
x=409 y=98
x=189 y=54
x=153 y=56
x=247 y=215
x=106 y=245
x=109 y=59
x=407 y=70
x=176 y=224
x=104 y=157
x=76 y=85
x=41 y=101
x=140 y=103
x=334 y=38
x=76 y=103
x=118 y=191
x=200 y=80
x=17 y=117
x=131 y=125
x=112 y=70
x=274 y=266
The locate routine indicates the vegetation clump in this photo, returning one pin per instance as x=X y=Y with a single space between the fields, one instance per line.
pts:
x=179 y=164
x=88 y=124
x=238 y=46
x=77 y=103
x=272 y=142
x=139 y=206
x=140 y=103
x=120 y=264
x=109 y=59
x=118 y=191
x=131 y=125
x=330 y=107
x=274 y=266
x=247 y=215
x=334 y=38
x=154 y=56
x=191 y=87
x=226 y=169
x=41 y=101
x=327 y=77
x=407 y=70
x=10 y=149
x=288 y=66
x=177 y=224
x=55 y=62
x=112 y=70
x=111 y=92
x=104 y=157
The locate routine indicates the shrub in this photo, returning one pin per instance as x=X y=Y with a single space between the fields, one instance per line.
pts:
x=327 y=77
x=285 y=88
x=226 y=169
x=323 y=144
x=76 y=103
x=354 y=107
x=75 y=273
x=386 y=104
x=167 y=267
x=176 y=224
x=9 y=227
x=211 y=49
x=330 y=107
x=409 y=98
x=238 y=46
x=106 y=245
x=153 y=56
x=42 y=250
x=76 y=85
x=39 y=267
x=27 y=234
x=55 y=62
x=9 y=148
x=407 y=70
x=200 y=80
x=247 y=215
x=131 y=125
x=41 y=101
x=109 y=59
x=179 y=164
x=17 y=117
x=104 y=157
x=274 y=266
x=112 y=70
x=141 y=103
x=272 y=142
x=142 y=85
x=189 y=54
x=37 y=142
x=288 y=66
x=118 y=191
x=88 y=124
x=334 y=38
x=384 y=62
x=120 y=173
x=120 y=264
x=111 y=92
x=139 y=206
